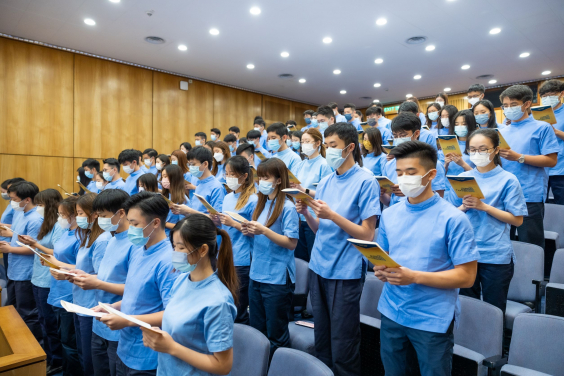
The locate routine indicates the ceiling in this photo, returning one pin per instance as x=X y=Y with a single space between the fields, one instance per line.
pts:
x=459 y=29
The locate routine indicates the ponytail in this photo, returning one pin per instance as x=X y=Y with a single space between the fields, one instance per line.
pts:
x=225 y=266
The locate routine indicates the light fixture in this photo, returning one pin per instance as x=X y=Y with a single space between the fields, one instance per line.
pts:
x=376 y=101
x=115 y=1
x=381 y=21
x=447 y=89
x=495 y=30
x=327 y=40
x=89 y=21
x=343 y=92
x=214 y=31
x=377 y=84
x=255 y=11
x=430 y=47
x=336 y=71
x=250 y=66
x=465 y=66
x=408 y=95
x=379 y=61
x=417 y=76
x=492 y=81
x=284 y=54
x=546 y=73
x=182 y=47
x=302 y=80
x=525 y=54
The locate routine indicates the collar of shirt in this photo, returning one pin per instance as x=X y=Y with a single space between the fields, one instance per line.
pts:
x=206 y=180
x=423 y=205
x=203 y=283
x=350 y=172
x=121 y=235
x=313 y=160
x=155 y=247
x=30 y=211
x=491 y=173
x=527 y=120
x=284 y=152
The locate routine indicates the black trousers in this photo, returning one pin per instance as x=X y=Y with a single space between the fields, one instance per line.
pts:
x=243 y=305
x=532 y=229
x=67 y=335
x=492 y=282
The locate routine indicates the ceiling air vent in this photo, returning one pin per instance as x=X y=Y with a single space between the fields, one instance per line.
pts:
x=285 y=76
x=154 y=40
x=365 y=98
x=416 y=40
x=485 y=77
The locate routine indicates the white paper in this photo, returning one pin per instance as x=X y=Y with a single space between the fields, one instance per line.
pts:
x=61 y=271
x=70 y=307
x=127 y=317
x=38 y=253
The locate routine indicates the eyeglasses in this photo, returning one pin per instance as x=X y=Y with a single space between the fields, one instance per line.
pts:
x=481 y=151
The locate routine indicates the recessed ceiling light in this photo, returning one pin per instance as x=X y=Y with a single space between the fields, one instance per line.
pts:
x=430 y=48
x=379 y=61
x=182 y=47
x=214 y=31
x=284 y=54
x=465 y=66
x=525 y=54
x=255 y=11
x=408 y=95
x=115 y=1
x=495 y=30
x=376 y=101
x=250 y=66
x=377 y=84
x=343 y=92
x=546 y=73
x=447 y=89
x=492 y=81
x=302 y=80
x=381 y=21
x=417 y=76
x=89 y=21
x=327 y=40
x=336 y=71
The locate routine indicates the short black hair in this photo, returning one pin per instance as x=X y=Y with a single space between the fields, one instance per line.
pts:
x=234 y=129
x=374 y=111
x=91 y=163
x=470 y=121
x=8 y=182
x=258 y=117
x=24 y=189
x=406 y=121
x=230 y=138
x=350 y=105
x=489 y=105
x=325 y=111
x=151 y=153
x=551 y=86
x=249 y=148
x=128 y=155
x=477 y=87
x=417 y=149
x=253 y=134
x=278 y=128
x=112 y=162
x=201 y=154
x=187 y=146
x=201 y=134
x=260 y=122
x=297 y=134
x=408 y=106
x=110 y=200
x=332 y=105
x=243 y=140
x=348 y=133
x=291 y=122
x=308 y=112
x=152 y=205
x=216 y=131
x=520 y=92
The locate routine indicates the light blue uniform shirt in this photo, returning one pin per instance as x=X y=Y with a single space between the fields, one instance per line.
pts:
x=428 y=137
x=113 y=269
x=220 y=176
x=147 y=290
x=423 y=118
x=354 y=195
x=21 y=266
x=438 y=184
x=131 y=182
x=386 y=134
x=212 y=191
x=375 y=163
x=289 y=158
x=559 y=168
x=385 y=122
x=263 y=138
x=270 y=261
x=502 y=191
x=199 y=316
x=311 y=171
x=92 y=187
x=118 y=184
x=267 y=154
x=65 y=250
x=144 y=168
x=175 y=218
x=7 y=218
x=340 y=118
x=41 y=274
x=153 y=170
x=88 y=260
x=432 y=236
x=356 y=124
x=530 y=137
x=242 y=245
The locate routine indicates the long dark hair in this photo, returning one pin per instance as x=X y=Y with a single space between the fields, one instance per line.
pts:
x=487 y=104
x=176 y=179
x=451 y=110
x=149 y=181
x=240 y=166
x=470 y=121
x=493 y=136
x=84 y=180
x=50 y=199
x=87 y=237
x=429 y=122
x=165 y=162
x=273 y=167
x=226 y=155
x=182 y=160
x=375 y=139
x=199 y=229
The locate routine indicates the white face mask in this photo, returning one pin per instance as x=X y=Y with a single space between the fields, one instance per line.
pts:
x=410 y=185
x=257 y=129
x=141 y=189
x=159 y=166
x=232 y=183
x=480 y=160
x=147 y=162
x=41 y=211
x=551 y=100
x=99 y=185
x=65 y=224
x=16 y=206
x=127 y=169
x=308 y=149
x=218 y=157
x=440 y=103
x=473 y=101
x=445 y=122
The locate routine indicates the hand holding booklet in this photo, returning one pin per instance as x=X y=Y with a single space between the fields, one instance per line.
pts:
x=236 y=217
x=127 y=317
x=74 y=308
x=299 y=195
x=206 y=204
x=374 y=253
x=465 y=185
x=449 y=144
x=41 y=256
x=385 y=183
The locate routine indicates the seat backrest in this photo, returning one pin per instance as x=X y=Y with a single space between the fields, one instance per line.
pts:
x=251 y=350
x=484 y=336
x=554 y=221
x=557 y=270
x=537 y=343
x=529 y=266
x=302 y=272
x=295 y=362
x=370 y=296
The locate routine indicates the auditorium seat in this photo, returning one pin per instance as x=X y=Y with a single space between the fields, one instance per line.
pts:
x=371 y=364
x=251 y=350
x=295 y=362
x=555 y=286
x=302 y=337
x=302 y=284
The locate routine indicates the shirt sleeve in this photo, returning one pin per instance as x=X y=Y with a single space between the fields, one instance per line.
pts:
x=548 y=141
x=57 y=233
x=438 y=183
x=166 y=278
x=290 y=222
x=382 y=238
x=216 y=198
x=218 y=327
x=369 y=199
x=461 y=245
x=33 y=227
x=514 y=199
x=324 y=171
x=98 y=253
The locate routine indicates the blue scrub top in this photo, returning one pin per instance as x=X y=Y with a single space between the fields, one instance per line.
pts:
x=65 y=250
x=530 y=137
x=356 y=124
x=242 y=245
x=340 y=119
x=386 y=134
x=41 y=276
x=220 y=175
x=559 y=168
x=131 y=182
x=423 y=118
x=113 y=269
x=428 y=137
x=358 y=199
x=375 y=163
x=7 y=217
x=384 y=121
x=263 y=138
x=214 y=193
x=118 y=184
x=311 y=171
x=432 y=236
x=92 y=187
x=199 y=316
x=289 y=158
x=21 y=266
x=153 y=170
x=175 y=218
x=147 y=290
x=270 y=261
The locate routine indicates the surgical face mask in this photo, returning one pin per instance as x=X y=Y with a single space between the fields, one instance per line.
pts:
x=195 y=171
x=334 y=157
x=213 y=137
x=88 y=174
x=513 y=113
x=5 y=196
x=233 y=183
x=135 y=235
x=218 y=156
x=410 y=185
x=400 y=140
x=308 y=121
x=107 y=176
x=367 y=145
x=174 y=162
x=480 y=160
x=64 y=223
x=550 y=100
x=274 y=145
x=159 y=166
x=16 y=206
x=99 y=185
x=141 y=189
x=106 y=223
x=266 y=187
x=461 y=130
x=308 y=149
x=445 y=122
x=82 y=222
x=296 y=145
x=257 y=129
x=433 y=115
x=323 y=126
x=289 y=143
x=440 y=103
x=372 y=122
x=314 y=123
x=473 y=101
x=348 y=117
x=147 y=162
x=127 y=169
x=180 y=262
x=165 y=183
x=482 y=118
x=41 y=211
x=198 y=143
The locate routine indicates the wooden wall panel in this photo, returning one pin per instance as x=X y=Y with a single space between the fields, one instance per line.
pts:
x=235 y=107
x=35 y=99
x=112 y=108
x=299 y=109
x=179 y=114
x=276 y=110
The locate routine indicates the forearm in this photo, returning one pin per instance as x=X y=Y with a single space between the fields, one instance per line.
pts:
x=541 y=160
x=449 y=279
x=558 y=133
x=312 y=222
x=464 y=165
x=504 y=216
x=169 y=225
x=364 y=231
x=281 y=240
x=20 y=250
x=207 y=363
x=49 y=251
x=114 y=288
x=153 y=319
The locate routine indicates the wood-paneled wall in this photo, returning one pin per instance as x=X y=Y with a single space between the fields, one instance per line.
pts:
x=58 y=108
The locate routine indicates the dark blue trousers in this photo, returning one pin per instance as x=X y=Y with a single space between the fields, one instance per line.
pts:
x=407 y=351
x=20 y=295
x=305 y=242
x=48 y=321
x=83 y=326
x=532 y=229
x=67 y=335
x=123 y=370
x=243 y=305
x=104 y=356
x=556 y=183
x=492 y=282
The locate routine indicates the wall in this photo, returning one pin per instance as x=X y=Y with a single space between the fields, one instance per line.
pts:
x=58 y=108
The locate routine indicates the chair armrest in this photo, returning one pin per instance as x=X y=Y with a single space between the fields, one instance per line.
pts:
x=494 y=363
x=538 y=286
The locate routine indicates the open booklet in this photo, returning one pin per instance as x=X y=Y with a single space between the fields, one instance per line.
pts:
x=236 y=217
x=170 y=203
x=374 y=253
x=61 y=271
x=206 y=204
x=465 y=185
x=41 y=255
x=74 y=308
x=127 y=317
x=299 y=195
x=502 y=143
x=260 y=155
x=388 y=148
x=449 y=144
x=292 y=178
x=385 y=183
x=83 y=187
x=544 y=113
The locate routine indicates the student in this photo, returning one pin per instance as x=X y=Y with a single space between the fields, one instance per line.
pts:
x=221 y=154
x=432 y=117
x=185 y=147
x=232 y=142
x=162 y=161
x=111 y=174
x=259 y=126
x=20 y=258
x=492 y=218
x=148 y=284
x=242 y=200
x=406 y=127
x=551 y=93
x=81 y=177
x=180 y=159
x=374 y=119
x=129 y=159
x=485 y=114
x=47 y=204
x=337 y=269
x=310 y=171
x=277 y=136
x=358 y=115
x=476 y=93
x=349 y=110
x=148 y=182
x=173 y=189
x=254 y=138
x=424 y=135
x=274 y=226
x=296 y=137
x=419 y=113
x=534 y=147
x=7 y=220
x=91 y=169
x=100 y=181
x=308 y=114
x=215 y=134
x=314 y=123
x=441 y=99
x=243 y=140
x=201 y=139
x=210 y=145
x=419 y=300
x=336 y=115
x=235 y=131
x=373 y=156
x=248 y=151
x=291 y=125
x=150 y=160
x=197 y=324
x=447 y=119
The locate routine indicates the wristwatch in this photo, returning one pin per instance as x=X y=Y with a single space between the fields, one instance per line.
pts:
x=307 y=191
x=521 y=159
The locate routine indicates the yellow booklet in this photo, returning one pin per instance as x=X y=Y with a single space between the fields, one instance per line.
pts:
x=83 y=187
x=299 y=195
x=388 y=148
x=170 y=203
x=544 y=113
x=502 y=143
x=236 y=217
x=374 y=253
x=260 y=155
x=206 y=204
x=449 y=144
x=385 y=183
x=390 y=141
x=292 y=178
x=465 y=185
x=255 y=175
x=41 y=255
